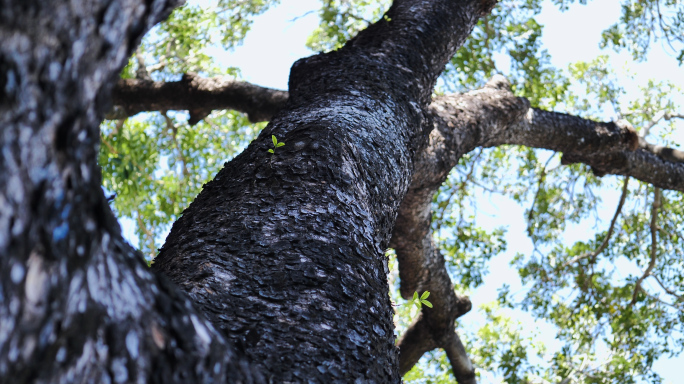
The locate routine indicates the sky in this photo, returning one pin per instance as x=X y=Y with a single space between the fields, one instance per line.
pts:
x=277 y=40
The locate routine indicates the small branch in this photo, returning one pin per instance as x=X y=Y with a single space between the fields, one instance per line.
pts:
x=540 y=183
x=611 y=228
x=141 y=73
x=654 y=120
x=669 y=154
x=675 y=305
x=670 y=116
x=174 y=135
x=669 y=291
x=463 y=369
x=654 y=244
x=355 y=17
x=148 y=234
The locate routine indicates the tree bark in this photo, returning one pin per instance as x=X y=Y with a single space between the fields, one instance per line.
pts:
x=77 y=303
x=196 y=95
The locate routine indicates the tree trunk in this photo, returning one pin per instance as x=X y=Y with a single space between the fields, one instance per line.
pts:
x=77 y=303
x=285 y=251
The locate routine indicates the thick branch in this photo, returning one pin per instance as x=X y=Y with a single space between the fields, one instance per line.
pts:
x=608 y=148
x=605 y=147
x=568 y=134
x=421 y=265
x=460 y=363
x=197 y=95
x=665 y=153
x=640 y=164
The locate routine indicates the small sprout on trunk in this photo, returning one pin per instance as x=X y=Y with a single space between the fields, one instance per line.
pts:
x=276 y=144
x=422 y=300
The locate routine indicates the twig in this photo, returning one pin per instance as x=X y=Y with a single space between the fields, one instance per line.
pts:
x=656 y=118
x=542 y=176
x=174 y=132
x=669 y=291
x=142 y=73
x=148 y=234
x=654 y=231
x=611 y=229
x=675 y=305
x=461 y=188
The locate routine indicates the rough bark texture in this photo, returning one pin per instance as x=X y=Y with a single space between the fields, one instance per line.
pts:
x=286 y=252
x=77 y=304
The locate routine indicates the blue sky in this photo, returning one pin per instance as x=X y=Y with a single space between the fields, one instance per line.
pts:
x=276 y=41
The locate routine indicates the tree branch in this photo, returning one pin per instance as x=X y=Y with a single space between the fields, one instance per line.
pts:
x=197 y=95
x=654 y=245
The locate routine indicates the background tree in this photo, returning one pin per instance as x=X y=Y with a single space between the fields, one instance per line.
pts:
x=157 y=165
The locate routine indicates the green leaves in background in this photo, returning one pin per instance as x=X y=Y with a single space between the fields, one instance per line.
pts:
x=343 y=19
x=646 y=21
x=157 y=163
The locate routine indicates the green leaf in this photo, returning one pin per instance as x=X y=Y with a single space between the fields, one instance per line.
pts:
x=275 y=141
x=415 y=295
x=271 y=151
x=280 y=145
x=425 y=295
x=429 y=304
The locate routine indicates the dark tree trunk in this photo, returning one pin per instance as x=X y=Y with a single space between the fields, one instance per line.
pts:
x=285 y=251
x=77 y=304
